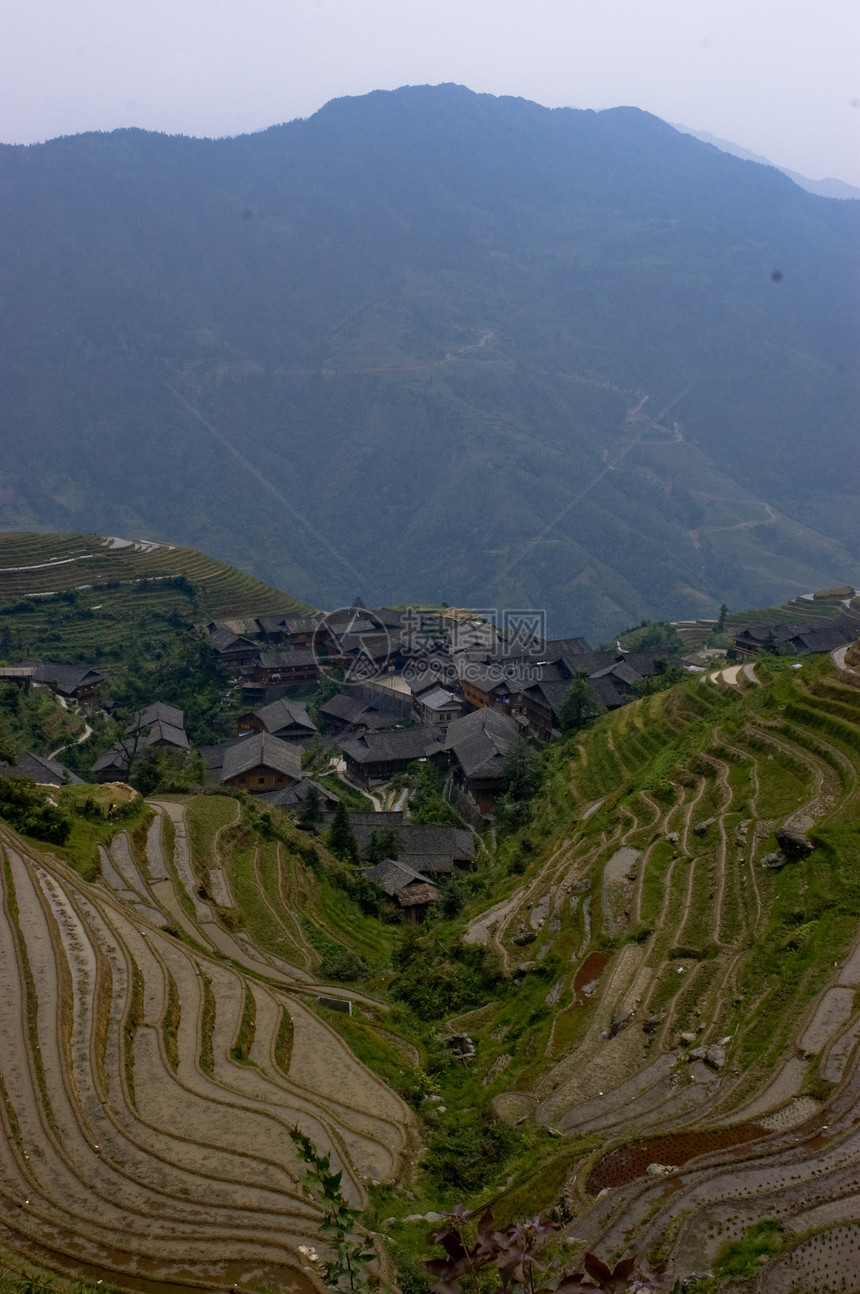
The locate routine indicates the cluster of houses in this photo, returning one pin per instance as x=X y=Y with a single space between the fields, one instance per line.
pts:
x=442 y=688
x=419 y=856
x=798 y=639
x=438 y=687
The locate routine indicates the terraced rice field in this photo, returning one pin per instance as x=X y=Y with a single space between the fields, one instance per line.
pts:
x=81 y=591
x=725 y=1013
x=154 y=1061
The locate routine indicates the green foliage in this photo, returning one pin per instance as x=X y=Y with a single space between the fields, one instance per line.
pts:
x=384 y=843
x=341 y=840
x=523 y=775
x=310 y=814
x=339 y=1228
x=666 y=675
x=343 y=965
x=30 y=809
x=427 y=804
x=465 y=1159
x=653 y=635
x=743 y=1258
x=164 y=771
x=579 y=703
x=33 y=721
x=436 y=982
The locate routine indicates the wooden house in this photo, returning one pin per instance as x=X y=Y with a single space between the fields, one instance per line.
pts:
x=438 y=707
x=374 y=757
x=232 y=648
x=260 y=763
x=282 y=718
x=285 y=668
x=159 y=726
x=478 y=745
x=75 y=682
x=45 y=771
x=409 y=890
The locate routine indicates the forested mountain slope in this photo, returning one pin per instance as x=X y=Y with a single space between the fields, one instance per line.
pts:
x=429 y=318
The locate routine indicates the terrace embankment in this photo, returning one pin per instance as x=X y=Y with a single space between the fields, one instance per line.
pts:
x=146 y=1102
x=703 y=984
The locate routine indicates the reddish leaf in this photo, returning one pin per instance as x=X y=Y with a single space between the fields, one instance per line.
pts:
x=450 y=1271
x=596 y=1268
x=575 y=1284
x=451 y=1241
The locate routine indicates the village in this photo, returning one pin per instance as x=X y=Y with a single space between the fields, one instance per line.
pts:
x=391 y=691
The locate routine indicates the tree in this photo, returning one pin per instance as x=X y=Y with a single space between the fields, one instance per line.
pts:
x=721 y=623
x=384 y=843
x=310 y=814
x=341 y=840
x=579 y=703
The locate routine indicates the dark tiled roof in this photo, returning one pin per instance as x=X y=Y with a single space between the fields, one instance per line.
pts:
x=427 y=680
x=114 y=760
x=40 y=769
x=284 y=714
x=348 y=708
x=480 y=742
x=286 y=659
x=488 y=678
x=158 y=712
x=296 y=793
x=440 y=699
x=226 y=641
x=66 y=678
x=167 y=734
x=261 y=749
x=395 y=745
x=824 y=638
x=430 y=864
x=618 y=670
x=402 y=882
x=416 y=839
x=361 y=819
x=644 y=662
x=213 y=756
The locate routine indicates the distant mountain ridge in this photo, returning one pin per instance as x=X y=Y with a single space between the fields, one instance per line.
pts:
x=829 y=187
x=429 y=320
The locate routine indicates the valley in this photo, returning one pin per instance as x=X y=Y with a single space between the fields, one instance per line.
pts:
x=632 y=1005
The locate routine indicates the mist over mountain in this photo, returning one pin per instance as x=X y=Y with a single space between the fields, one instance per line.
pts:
x=429 y=319
x=829 y=187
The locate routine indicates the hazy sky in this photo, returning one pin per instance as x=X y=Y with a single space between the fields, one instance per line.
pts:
x=780 y=77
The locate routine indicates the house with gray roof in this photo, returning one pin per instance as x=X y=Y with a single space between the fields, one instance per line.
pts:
x=429 y=848
x=43 y=770
x=478 y=745
x=282 y=718
x=260 y=762
x=159 y=725
x=438 y=707
x=77 y=682
x=374 y=757
x=410 y=890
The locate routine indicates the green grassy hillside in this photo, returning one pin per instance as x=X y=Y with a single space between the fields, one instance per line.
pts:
x=82 y=598
x=640 y=989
